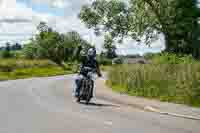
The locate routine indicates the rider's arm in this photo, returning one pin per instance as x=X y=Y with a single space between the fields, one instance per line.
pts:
x=81 y=68
x=98 y=69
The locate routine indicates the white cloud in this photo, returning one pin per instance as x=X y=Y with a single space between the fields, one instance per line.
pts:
x=130 y=46
x=53 y=3
x=18 y=22
x=72 y=23
x=8 y=3
x=60 y=4
x=17 y=19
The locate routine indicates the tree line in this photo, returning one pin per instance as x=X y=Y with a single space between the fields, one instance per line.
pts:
x=50 y=44
x=55 y=46
x=8 y=46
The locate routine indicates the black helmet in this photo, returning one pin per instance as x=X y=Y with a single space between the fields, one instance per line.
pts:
x=91 y=53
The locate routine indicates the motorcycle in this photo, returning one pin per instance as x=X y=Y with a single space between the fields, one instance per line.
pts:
x=87 y=86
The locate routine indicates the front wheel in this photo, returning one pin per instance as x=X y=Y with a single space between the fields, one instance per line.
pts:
x=87 y=101
x=90 y=91
x=78 y=99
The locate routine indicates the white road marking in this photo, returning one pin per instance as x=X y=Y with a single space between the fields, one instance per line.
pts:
x=109 y=123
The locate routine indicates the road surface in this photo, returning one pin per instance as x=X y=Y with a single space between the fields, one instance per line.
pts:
x=46 y=105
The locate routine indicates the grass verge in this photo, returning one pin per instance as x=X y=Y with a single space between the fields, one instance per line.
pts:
x=11 y=69
x=177 y=83
x=33 y=72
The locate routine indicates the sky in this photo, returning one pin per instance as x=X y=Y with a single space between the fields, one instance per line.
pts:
x=19 y=18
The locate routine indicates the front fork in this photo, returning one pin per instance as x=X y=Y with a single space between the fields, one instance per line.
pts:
x=92 y=88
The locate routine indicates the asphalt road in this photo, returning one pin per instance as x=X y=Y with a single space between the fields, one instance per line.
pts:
x=46 y=105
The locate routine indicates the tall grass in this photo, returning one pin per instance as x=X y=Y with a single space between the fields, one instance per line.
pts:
x=179 y=83
x=166 y=58
x=9 y=65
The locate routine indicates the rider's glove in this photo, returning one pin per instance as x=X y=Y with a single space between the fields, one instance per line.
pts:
x=100 y=75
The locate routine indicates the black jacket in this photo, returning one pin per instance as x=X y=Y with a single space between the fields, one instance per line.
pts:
x=90 y=63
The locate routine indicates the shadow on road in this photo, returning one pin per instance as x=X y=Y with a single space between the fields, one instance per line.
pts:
x=99 y=104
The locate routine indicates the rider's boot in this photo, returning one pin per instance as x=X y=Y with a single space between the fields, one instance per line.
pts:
x=77 y=92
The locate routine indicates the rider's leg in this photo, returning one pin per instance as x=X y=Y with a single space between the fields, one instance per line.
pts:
x=78 y=85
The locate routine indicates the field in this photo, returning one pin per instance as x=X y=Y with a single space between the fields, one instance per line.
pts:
x=170 y=82
x=21 y=68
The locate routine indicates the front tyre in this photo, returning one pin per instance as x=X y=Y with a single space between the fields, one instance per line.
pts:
x=87 y=101
x=90 y=91
x=78 y=99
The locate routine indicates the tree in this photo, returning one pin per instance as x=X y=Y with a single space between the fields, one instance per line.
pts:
x=176 y=19
x=74 y=44
x=8 y=47
x=30 y=50
x=7 y=51
x=42 y=27
x=50 y=44
x=16 y=46
x=110 y=48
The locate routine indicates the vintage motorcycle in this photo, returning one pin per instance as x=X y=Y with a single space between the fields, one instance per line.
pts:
x=87 y=86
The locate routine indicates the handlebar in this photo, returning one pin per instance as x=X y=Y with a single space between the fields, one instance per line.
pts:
x=89 y=69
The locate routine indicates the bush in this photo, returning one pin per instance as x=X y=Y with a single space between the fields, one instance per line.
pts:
x=117 y=61
x=6 y=54
x=179 y=83
x=18 y=54
x=148 y=56
x=104 y=61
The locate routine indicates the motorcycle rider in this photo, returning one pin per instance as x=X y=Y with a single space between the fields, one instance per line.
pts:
x=90 y=62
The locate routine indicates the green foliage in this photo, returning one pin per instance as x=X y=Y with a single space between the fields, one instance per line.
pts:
x=104 y=61
x=176 y=19
x=106 y=13
x=177 y=83
x=149 y=56
x=118 y=60
x=109 y=47
x=18 y=54
x=6 y=54
x=30 y=50
x=57 y=47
